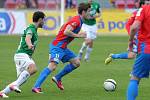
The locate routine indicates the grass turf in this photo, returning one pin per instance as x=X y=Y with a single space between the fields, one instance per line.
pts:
x=85 y=83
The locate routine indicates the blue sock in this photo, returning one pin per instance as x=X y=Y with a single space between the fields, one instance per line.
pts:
x=43 y=75
x=132 y=91
x=67 y=69
x=120 y=56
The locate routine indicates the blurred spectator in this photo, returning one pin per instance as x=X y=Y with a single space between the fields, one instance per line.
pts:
x=112 y=2
x=137 y=3
x=2 y=3
x=31 y=3
x=20 y=4
x=70 y=3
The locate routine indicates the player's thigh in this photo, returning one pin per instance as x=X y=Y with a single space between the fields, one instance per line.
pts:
x=22 y=61
x=141 y=66
x=91 y=32
x=68 y=56
x=56 y=55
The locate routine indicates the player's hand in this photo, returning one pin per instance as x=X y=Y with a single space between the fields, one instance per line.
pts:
x=31 y=47
x=130 y=45
x=82 y=35
x=91 y=17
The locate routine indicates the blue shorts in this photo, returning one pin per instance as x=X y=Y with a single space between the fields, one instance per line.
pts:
x=141 y=66
x=59 y=54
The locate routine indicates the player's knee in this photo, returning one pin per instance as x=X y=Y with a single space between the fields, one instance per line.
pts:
x=52 y=66
x=131 y=55
x=32 y=69
x=76 y=63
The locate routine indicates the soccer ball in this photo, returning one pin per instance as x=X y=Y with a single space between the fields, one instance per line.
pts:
x=110 y=85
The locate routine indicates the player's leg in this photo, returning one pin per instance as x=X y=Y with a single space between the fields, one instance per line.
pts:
x=138 y=73
x=84 y=45
x=91 y=36
x=42 y=77
x=74 y=63
x=25 y=67
x=88 y=49
x=132 y=91
x=55 y=57
x=125 y=55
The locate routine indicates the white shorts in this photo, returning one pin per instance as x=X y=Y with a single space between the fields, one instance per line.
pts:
x=22 y=62
x=91 y=31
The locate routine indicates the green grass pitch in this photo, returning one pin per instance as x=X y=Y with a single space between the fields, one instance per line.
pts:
x=85 y=83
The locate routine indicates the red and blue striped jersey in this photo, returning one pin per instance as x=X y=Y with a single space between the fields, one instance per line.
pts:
x=63 y=40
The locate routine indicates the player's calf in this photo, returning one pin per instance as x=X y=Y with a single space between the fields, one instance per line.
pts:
x=15 y=88
x=32 y=69
x=75 y=62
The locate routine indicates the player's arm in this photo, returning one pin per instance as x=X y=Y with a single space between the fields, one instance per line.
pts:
x=98 y=14
x=69 y=32
x=136 y=24
x=28 y=39
x=130 y=22
x=134 y=29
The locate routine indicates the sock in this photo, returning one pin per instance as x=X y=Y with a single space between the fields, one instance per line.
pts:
x=43 y=75
x=120 y=56
x=22 y=78
x=83 y=47
x=67 y=69
x=6 y=90
x=88 y=51
x=132 y=91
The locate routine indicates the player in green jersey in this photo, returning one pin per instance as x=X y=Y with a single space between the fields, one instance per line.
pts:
x=90 y=28
x=25 y=65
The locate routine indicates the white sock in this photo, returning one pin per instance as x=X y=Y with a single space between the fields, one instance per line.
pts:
x=88 y=51
x=83 y=47
x=22 y=78
x=6 y=90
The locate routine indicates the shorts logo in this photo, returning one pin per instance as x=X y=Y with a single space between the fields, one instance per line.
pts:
x=56 y=58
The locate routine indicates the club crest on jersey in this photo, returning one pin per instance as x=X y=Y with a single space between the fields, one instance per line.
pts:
x=74 y=24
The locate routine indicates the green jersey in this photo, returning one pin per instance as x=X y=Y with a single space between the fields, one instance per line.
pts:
x=23 y=47
x=95 y=8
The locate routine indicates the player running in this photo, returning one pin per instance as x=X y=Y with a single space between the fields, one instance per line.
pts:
x=60 y=52
x=90 y=28
x=131 y=54
x=25 y=66
x=141 y=67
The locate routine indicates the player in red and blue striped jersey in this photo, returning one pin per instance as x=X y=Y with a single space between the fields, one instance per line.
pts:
x=60 y=52
x=131 y=54
x=141 y=67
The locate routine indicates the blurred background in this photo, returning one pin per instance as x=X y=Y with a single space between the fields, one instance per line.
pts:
x=15 y=15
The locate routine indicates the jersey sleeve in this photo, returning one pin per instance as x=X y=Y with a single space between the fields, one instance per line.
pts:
x=140 y=14
x=29 y=31
x=74 y=24
x=99 y=8
x=130 y=22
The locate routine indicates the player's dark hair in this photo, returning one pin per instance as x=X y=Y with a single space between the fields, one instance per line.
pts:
x=37 y=15
x=142 y=2
x=83 y=7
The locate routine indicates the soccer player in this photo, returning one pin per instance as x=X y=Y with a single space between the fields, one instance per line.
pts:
x=60 y=52
x=131 y=54
x=90 y=28
x=141 y=67
x=25 y=65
